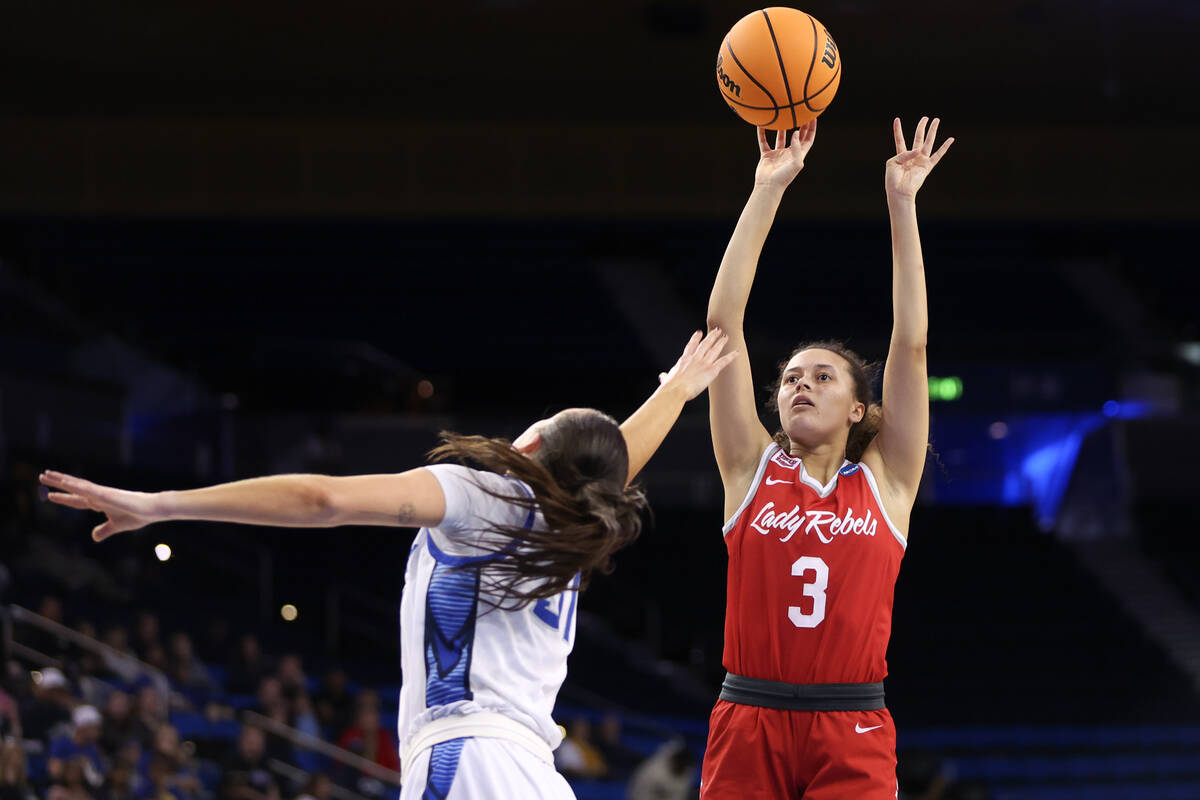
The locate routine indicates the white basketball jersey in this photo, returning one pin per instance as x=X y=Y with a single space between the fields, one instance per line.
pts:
x=459 y=654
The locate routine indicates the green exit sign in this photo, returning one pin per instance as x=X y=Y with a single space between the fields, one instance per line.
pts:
x=945 y=388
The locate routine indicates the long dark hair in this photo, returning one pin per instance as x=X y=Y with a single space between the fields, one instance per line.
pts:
x=578 y=478
x=863 y=375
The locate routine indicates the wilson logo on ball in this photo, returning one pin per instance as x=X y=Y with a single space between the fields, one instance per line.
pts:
x=829 y=58
x=726 y=81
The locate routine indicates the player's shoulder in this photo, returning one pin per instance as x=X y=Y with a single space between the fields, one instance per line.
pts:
x=475 y=496
x=464 y=478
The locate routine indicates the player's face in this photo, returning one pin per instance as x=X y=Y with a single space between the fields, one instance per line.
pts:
x=816 y=397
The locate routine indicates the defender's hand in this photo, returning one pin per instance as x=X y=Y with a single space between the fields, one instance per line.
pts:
x=907 y=170
x=700 y=363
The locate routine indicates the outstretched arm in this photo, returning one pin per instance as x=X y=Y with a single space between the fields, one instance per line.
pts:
x=410 y=499
x=646 y=428
x=738 y=435
x=904 y=433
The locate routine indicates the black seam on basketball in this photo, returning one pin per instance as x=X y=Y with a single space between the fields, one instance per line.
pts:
x=766 y=124
x=782 y=70
x=768 y=108
x=811 y=64
x=802 y=102
x=753 y=108
x=746 y=72
x=817 y=93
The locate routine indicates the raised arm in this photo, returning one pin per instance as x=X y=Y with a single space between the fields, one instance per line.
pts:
x=738 y=435
x=903 y=436
x=410 y=499
x=646 y=428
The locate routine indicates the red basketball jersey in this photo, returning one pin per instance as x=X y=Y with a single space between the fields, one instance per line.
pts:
x=812 y=571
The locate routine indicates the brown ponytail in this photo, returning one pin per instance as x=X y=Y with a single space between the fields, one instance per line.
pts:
x=578 y=480
x=863 y=375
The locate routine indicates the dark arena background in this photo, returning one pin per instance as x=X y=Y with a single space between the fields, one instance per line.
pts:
x=244 y=239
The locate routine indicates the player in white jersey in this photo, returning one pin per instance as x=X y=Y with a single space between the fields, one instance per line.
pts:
x=493 y=576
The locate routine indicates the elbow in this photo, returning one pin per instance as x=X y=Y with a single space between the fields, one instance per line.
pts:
x=913 y=343
x=320 y=503
x=726 y=322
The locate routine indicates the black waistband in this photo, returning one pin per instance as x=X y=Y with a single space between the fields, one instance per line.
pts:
x=802 y=696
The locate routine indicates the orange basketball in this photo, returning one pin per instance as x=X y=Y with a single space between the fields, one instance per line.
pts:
x=778 y=68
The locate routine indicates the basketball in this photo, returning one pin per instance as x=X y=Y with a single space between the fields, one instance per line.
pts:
x=778 y=68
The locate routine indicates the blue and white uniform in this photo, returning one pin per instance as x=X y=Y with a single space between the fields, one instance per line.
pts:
x=479 y=683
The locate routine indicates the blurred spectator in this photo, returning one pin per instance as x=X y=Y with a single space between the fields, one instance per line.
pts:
x=667 y=775
x=247 y=667
x=270 y=696
x=117 y=637
x=578 y=756
x=10 y=715
x=304 y=720
x=158 y=781
x=149 y=712
x=120 y=659
x=246 y=776
x=73 y=785
x=146 y=635
x=156 y=656
x=319 y=787
x=119 y=723
x=334 y=704
x=367 y=737
x=619 y=758
x=14 y=773
x=177 y=776
x=278 y=747
x=118 y=783
x=129 y=757
x=181 y=776
x=89 y=666
x=42 y=640
x=48 y=705
x=271 y=704
x=185 y=670
x=79 y=745
x=291 y=674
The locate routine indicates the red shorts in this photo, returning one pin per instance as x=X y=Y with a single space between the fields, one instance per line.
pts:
x=770 y=754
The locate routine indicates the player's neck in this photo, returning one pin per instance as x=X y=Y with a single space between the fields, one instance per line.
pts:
x=822 y=461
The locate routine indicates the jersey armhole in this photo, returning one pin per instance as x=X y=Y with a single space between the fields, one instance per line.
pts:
x=870 y=476
x=762 y=467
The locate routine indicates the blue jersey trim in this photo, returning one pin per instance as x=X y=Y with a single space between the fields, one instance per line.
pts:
x=457 y=561
x=443 y=557
x=451 y=603
x=443 y=765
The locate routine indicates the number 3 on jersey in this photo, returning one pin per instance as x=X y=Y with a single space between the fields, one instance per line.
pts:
x=815 y=590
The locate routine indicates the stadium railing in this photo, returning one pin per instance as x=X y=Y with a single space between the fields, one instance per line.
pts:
x=114 y=659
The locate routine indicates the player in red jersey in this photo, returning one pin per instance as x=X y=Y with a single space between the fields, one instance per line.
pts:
x=817 y=518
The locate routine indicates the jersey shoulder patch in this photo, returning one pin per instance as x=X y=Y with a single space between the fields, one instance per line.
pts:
x=849 y=469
